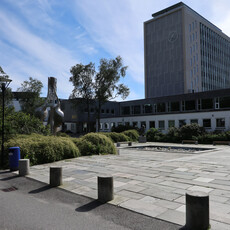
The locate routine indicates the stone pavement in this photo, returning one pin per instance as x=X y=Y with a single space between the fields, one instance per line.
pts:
x=153 y=183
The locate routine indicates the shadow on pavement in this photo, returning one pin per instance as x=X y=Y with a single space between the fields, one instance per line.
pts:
x=90 y=206
x=8 y=178
x=42 y=189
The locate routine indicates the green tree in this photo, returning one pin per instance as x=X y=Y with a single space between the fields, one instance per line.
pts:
x=106 y=83
x=31 y=99
x=82 y=80
x=102 y=85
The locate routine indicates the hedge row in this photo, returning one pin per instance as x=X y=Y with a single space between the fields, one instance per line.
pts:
x=45 y=149
x=186 y=132
x=128 y=135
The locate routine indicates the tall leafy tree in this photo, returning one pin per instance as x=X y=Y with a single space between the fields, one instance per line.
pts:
x=106 y=82
x=102 y=85
x=82 y=80
x=31 y=99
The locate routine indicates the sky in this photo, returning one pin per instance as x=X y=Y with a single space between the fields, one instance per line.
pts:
x=45 y=38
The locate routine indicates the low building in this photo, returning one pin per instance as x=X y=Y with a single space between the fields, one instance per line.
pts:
x=76 y=114
x=210 y=110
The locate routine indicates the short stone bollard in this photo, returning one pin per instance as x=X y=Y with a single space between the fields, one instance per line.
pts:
x=118 y=151
x=55 y=176
x=24 y=167
x=118 y=144
x=105 y=188
x=197 y=211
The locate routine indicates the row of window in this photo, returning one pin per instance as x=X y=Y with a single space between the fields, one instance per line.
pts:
x=177 y=106
x=215 y=59
x=206 y=123
x=103 y=111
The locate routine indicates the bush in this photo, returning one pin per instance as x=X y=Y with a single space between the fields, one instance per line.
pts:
x=44 y=149
x=117 y=137
x=153 y=135
x=190 y=130
x=95 y=143
x=132 y=134
x=121 y=128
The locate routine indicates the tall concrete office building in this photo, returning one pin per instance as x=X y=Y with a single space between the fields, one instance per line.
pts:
x=184 y=53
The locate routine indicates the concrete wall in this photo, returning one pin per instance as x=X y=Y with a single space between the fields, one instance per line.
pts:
x=164 y=55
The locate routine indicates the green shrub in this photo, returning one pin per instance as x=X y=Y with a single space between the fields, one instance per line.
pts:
x=153 y=135
x=117 y=137
x=44 y=149
x=121 y=128
x=188 y=131
x=132 y=134
x=95 y=144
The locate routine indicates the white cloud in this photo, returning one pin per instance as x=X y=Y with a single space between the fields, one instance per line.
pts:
x=40 y=57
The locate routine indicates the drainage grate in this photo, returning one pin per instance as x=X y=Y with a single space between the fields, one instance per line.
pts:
x=11 y=189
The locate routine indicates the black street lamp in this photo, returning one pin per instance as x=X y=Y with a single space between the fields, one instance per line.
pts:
x=4 y=83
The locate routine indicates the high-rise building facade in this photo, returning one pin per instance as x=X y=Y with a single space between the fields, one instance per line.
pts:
x=184 y=53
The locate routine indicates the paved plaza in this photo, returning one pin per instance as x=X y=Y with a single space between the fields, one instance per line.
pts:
x=153 y=183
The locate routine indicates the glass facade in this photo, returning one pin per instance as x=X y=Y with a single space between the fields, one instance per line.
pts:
x=215 y=60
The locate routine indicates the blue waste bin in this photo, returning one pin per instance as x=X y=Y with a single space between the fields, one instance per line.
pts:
x=14 y=157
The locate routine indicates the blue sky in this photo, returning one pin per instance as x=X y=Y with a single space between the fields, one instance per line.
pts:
x=43 y=38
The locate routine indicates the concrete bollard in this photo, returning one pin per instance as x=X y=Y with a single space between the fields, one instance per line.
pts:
x=105 y=188
x=130 y=144
x=24 y=167
x=55 y=176
x=118 y=144
x=197 y=211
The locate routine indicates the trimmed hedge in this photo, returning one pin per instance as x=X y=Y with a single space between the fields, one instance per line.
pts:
x=44 y=149
x=95 y=144
x=132 y=134
x=117 y=137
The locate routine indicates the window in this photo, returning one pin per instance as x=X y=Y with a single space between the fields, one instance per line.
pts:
x=107 y=110
x=112 y=111
x=194 y=121
x=207 y=103
x=147 y=108
x=136 y=109
x=182 y=123
x=102 y=111
x=161 y=107
x=92 y=110
x=126 y=123
x=152 y=124
x=135 y=124
x=73 y=127
x=217 y=103
x=207 y=123
x=171 y=123
x=106 y=125
x=224 y=102
x=175 y=106
x=143 y=124
x=112 y=124
x=161 y=124
x=125 y=110
x=190 y=105
x=220 y=123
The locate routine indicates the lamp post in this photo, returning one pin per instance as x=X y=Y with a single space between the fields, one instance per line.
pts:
x=4 y=83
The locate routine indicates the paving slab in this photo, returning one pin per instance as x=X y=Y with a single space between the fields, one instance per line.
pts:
x=153 y=183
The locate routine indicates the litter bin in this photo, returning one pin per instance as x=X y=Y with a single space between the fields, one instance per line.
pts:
x=14 y=157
